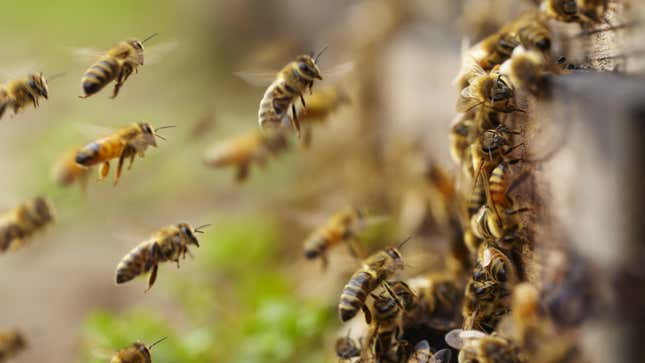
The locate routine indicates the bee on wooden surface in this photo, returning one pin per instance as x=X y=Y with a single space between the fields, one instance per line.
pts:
x=168 y=244
x=254 y=147
x=562 y=10
x=438 y=301
x=11 y=344
x=422 y=354
x=290 y=83
x=531 y=30
x=531 y=70
x=342 y=227
x=484 y=305
x=489 y=90
x=477 y=346
x=321 y=104
x=24 y=221
x=375 y=270
x=127 y=142
x=488 y=150
x=462 y=135
x=484 y=56
x=496 y=266
x=67 y=171
x=593 y=10
x=136 y=353
x=117 y=64
x=347 y=347
x=19 y=93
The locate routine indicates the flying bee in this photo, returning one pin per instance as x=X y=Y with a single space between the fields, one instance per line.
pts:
x=477 y=346
x=438 y=300
x=422 y=354
x=11 y=344
x=342 y=227
x=168 y=244
x=136 y=353
x=375 y=270
x=347 y=347
x=290 y=83
x=490 y=90
x=117 y=64
x=24 y=221
x=66 y=171
x=17 y=94
x=254 y=147
x=321 y=104
x=127 y=142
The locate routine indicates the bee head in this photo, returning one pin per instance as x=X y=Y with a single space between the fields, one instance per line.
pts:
x=567 y=7
x=307 y=65
x=492 y=140
x=148 y=134
x=38 y=85
x=501 y=90
x=42 y=210
x=138 y=48
x=187 y=232
x=143 y=349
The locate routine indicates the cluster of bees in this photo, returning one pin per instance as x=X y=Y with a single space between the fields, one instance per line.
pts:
x=423 y=319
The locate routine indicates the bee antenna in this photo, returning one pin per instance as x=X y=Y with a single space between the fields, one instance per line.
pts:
x=198 y=229
x=57 y=75
x=321 y=52
x=161 y=137
x=157 y=342
x=164 y=127
x=149 y=37
x=403 y=243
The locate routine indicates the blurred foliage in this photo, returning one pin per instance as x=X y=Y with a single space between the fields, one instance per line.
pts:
x=232 y=268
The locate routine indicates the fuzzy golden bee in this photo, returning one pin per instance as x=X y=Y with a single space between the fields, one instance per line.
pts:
x=67 y=171
x=127 y=142
x=489 y=90
x=342 y=227
x=168 y=244
x=136 y=353
x=477 y=346
x=489 y=150
x=254 y=147
x=24 y=221
x=290 y=83
x=375 y=270
x=462 y=134
x=19 y=93
x=117 y=64
x=11 y=344
x=562 y=10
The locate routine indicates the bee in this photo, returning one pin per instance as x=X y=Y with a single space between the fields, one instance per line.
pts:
x=488 y=150
x=127 y=142
x=438 y=300
x=168 y=244
x=489 y=90
x=24 y=221
x=244 y=150
x=496 y=267
x=136 y=353
x=291 y=82
x=422 y=354
x=66 y=171
x=462 y=135
x=375 y=270
x=562 y=10
x=347 y=347
x=117 y=64
x=384 y=336
x=477 y=346
x=593 y=10
x=530 y=70
x=11 y=344
x=320 y=105
x=484 y=304
x=17 y=94
x=342 y=227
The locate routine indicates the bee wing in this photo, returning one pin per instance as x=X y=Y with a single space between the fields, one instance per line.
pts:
x=457 y=338
x=86 y=55
x=442 y=356
x=337 y=72
x=102 y=353
x=92 y=131
x=157 y=52
x=258 y=79
x=18 y=71
x=466 y=100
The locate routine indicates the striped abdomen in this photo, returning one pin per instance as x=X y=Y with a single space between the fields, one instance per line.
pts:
x=100 y=151
x=275 y=104
x=136 y=262
x=355 y=292
x=8 y=234
x=497 y=185
x=99 y=74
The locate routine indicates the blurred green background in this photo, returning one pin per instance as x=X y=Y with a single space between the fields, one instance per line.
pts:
x=248 y=295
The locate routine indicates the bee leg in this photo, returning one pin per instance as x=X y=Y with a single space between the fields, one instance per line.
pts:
x=131 y=161
x=3 y=107
x=153 y=277
x=242 y=172
x=302 y=99
x=126 y=152
x=325 y=261
x=104 y=170
x=294 y=119
x=367 y=313
x=394 y=296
